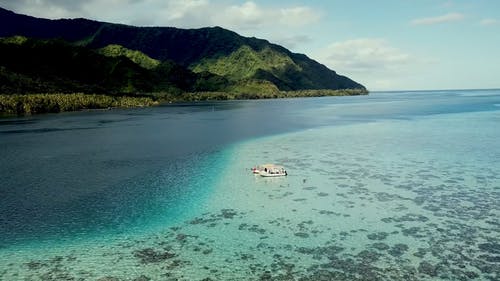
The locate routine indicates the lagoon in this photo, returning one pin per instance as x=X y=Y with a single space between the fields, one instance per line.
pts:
x=390 y=186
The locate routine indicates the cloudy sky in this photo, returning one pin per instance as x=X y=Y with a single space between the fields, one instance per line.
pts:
x=383 y=44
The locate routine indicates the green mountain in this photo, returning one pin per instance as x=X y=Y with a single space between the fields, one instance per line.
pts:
x=46 y=66
x=138 y=57
x=85 y=55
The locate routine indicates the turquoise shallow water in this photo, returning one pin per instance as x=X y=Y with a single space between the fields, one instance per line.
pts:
x=389 y=187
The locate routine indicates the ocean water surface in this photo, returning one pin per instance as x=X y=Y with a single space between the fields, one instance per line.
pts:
x=390 y=186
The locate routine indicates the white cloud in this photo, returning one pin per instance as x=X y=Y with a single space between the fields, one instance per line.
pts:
x=43 y=8
x=489 y=21
x=231 y=14
x=245 y=15
x=450 y=17
x=181 y=8
x=298 y=16
x=374 y=62
x=364 y=55
x=250 y=15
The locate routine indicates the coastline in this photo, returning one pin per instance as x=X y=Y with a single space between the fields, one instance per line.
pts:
x=29 y=104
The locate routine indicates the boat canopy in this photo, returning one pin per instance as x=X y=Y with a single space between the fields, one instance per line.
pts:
x=272 y=167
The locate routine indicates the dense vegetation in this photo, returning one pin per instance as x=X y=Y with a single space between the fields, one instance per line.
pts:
x=153 y=64
x=48 y=66
x=52 y=103
x=189 y=48
x=135 y=56
x=203 y=96
x=246 y=62
x=45 y=103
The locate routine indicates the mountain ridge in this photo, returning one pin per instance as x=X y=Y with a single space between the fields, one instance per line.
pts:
x=188 y=48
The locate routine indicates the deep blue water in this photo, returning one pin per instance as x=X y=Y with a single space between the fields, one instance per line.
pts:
x=76 y=175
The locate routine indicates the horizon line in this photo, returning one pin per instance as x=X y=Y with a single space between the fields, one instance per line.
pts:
x=433 y=90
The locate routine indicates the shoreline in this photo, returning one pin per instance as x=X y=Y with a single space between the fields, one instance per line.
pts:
x=31 y=104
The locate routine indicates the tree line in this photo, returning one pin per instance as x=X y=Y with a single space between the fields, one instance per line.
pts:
x=53 y=103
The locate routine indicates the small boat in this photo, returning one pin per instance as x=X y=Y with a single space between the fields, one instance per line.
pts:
x=256 y=170
x=269 y=170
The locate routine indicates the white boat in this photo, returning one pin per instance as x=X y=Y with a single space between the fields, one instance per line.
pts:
x=270 y=170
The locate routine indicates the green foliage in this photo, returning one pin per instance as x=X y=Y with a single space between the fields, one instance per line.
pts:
x=204 y=96
x=37 y=66
x=285 y=70
x=253 y=86
x=216 y=50
x=123 y=61
x=324 y=93
x=56 y=66
x=206 y=81
x=245 y=95
x=45 y=103
x=19 y=40
x=138 y=57
x=245 y=62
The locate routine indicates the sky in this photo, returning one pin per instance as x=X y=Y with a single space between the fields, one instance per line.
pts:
x=383 y=44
